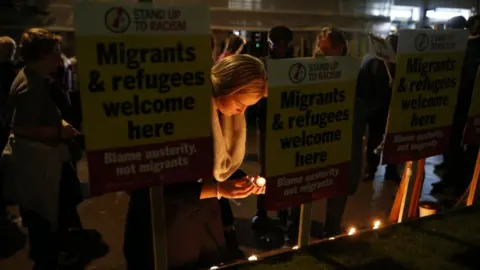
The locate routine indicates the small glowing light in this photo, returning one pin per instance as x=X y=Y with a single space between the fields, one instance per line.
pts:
x=252 y=258
x=214 y=267
x=295 y=247
x=260 y=181
x=352 y=231
x=331 y=238
x=377 y=224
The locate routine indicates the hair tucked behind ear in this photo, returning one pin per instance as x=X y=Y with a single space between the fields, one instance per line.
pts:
x=239 y=74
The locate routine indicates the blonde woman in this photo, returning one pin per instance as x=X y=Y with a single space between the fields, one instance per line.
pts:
x=194 y=227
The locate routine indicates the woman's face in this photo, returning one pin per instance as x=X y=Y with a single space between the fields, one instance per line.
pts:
x=236 y=103
x=327 y=47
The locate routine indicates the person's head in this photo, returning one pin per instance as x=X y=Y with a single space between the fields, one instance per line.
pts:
x=7 y=48
x=393 y=40
x=458 y=22
x=473 y=25
x=280 y=40
x=332 y=42
x=234 y=44
x=39 y=46
x=238 y=81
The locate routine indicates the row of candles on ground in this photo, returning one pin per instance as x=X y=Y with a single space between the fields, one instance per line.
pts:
x=351 y=231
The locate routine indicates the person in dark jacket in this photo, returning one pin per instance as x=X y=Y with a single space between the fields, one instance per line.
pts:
x=280 y=40
x=8 y=73
x=333 y=42
x=460 y=161
x=37 y=124
x=379 y=95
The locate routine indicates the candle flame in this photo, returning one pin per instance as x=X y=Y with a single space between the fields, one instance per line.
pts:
x=252 y=258
x=377 y=224
x=295 y=247
x=260 y=181
x=331 y=238
x=352 y=231
x=214 y=267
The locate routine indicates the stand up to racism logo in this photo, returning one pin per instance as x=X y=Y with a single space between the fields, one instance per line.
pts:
x=117 y=20
x=297 y=73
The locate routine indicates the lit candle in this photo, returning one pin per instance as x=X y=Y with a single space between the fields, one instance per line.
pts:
x=260 y=181
x=252 y=258
x=295 y=247
x=213 y=267
x=352 y=231
x=377 y=224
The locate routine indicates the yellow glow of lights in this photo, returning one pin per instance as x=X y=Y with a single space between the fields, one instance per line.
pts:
x=377 y=224
x=331 y=238
x=252 y=258
x=260 y=181
x=352 y=231
x=295 y=247
x=213 y=267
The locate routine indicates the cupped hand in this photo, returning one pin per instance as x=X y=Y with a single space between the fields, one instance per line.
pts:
x=236 y=188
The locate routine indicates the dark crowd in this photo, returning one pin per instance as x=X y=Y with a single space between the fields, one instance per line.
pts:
x=42 y=141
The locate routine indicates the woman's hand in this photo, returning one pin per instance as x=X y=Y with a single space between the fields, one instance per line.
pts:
x=68 y=132
x=236 y=189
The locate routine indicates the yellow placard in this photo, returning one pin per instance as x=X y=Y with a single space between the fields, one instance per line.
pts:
x=309 y=114
x=424 y=94
x=425 y=91
x=144 y=89
x=305 y=138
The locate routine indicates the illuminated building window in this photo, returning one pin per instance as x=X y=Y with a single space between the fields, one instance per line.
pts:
x=405 y=13
x=245 y=4
x=443 y=14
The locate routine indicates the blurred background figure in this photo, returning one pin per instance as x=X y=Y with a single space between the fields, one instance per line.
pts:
x=233 y=45
x=8 y=73
x=473 y=25
x=279 y=47
x=458 y=22
x=331 y=42
x=459 y=161
x=378 y=94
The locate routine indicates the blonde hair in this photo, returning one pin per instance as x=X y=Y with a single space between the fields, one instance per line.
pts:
x=7 y=48
x=239 y=74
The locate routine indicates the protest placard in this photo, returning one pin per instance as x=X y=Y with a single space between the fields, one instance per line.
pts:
x=472 y=129
x=146 y=94
x=424 y=94
x=309 y=129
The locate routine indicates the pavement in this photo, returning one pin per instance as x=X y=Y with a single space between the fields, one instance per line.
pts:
x=106 y=215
